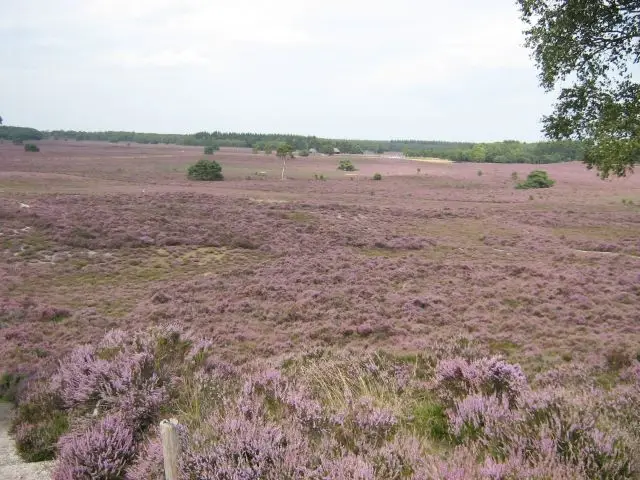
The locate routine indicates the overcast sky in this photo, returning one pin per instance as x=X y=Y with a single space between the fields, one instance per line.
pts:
x=375 y=69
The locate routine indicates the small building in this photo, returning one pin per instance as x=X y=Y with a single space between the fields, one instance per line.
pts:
x=313 y=151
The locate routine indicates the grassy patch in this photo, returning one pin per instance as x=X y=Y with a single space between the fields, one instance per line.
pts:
x=505 y=347
x=429 y=420
x=610 y=233
x=300 y=217
x=511 y=302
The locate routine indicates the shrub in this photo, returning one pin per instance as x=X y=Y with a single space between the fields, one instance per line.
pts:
x=303 y=153
x=209 y=149
x=457 y=377
x=514 y=176
x=377 y=176
x=346 y=166
x=31 y=147
x=479 y=173
x=207 y=170
x=537 y=179
x=102 y=452
x=9 y=385
x=38 y=424
x=36 y=442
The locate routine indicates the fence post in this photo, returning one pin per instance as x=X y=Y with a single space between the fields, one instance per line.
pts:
x=170 y=448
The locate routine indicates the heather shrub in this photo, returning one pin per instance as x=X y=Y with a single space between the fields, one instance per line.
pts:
x=377 y=176
x=207 y=170
x=149 y=464
x=537 y=179
x=444 y=414
x=458 y=377
x=100 y=452
x=134 y=375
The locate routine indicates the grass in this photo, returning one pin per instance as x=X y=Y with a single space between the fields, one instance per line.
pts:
x=300 y=217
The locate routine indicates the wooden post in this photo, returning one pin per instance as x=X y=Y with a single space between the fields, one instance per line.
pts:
x=170 y=448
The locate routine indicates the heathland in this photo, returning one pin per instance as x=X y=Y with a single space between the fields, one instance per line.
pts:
x=438 y=323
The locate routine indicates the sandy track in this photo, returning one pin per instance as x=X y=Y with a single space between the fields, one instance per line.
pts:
x=12 y=467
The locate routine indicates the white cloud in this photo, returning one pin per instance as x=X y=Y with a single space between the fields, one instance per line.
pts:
x=379 y=63
x=165 y=58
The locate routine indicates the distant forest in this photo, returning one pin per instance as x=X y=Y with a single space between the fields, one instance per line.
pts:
x=509 y=151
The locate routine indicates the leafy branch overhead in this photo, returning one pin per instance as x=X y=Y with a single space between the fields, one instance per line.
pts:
x=587 y=49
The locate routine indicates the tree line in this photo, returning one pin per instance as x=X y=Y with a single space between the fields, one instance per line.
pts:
x=509 y=151
x=20 y=134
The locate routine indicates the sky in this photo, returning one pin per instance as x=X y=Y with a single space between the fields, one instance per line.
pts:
x=369 y=69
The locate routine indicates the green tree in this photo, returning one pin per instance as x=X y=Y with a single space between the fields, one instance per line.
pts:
x=346 y=165
x=210 y=149
x=283 y=152
x=208 y=170
x=593 y=43
x=537 y=179
x=31 y=147
x=0 y=120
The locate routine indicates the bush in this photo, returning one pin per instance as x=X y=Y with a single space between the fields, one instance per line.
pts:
x=9 y=383
x=207 y=170
x=209 y=149
x=38 y=424
x=103 y=451
x=303 y=153
x=479 y=173
x=31 y=147
x=36 y=442
x=537 y=179
x=346 y=166
x=377 y=176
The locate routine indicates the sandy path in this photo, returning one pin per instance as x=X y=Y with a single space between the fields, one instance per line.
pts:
x=11 y=465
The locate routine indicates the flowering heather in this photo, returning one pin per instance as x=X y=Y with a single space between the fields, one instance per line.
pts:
x=477 y=413
x=149 y=464
x=325 y=313
x=457 y=377
x=100 y=452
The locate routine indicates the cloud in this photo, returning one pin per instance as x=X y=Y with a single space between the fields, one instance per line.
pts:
x=164 y=58
x=332 y=67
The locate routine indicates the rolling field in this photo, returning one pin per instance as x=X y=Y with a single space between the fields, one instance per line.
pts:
x=95 y=237
x=267 y=267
